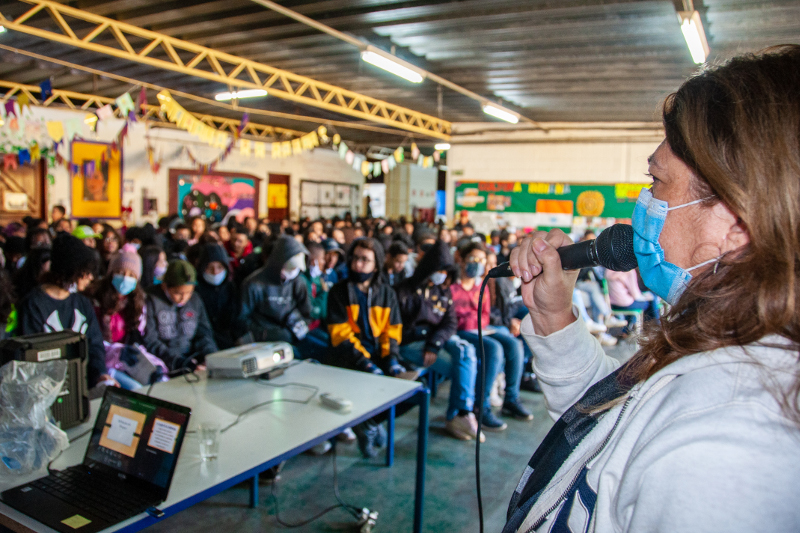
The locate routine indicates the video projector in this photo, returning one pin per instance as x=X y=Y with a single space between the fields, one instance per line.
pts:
x=249 y=360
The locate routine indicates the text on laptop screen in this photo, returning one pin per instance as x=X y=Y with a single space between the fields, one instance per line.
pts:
x=135 y=436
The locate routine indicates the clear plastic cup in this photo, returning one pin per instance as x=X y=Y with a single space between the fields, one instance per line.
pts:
x=208 y=435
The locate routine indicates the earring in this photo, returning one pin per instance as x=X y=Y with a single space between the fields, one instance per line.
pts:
x=716 y=265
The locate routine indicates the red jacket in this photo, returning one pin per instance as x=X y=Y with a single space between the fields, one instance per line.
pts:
x=236 y=262
x=466 y=306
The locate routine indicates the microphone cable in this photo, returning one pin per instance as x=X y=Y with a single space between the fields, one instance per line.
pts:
x=480 y=395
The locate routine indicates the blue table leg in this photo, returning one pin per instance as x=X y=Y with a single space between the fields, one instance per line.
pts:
x=254 y=492
x=390 y=437
x=423 y=397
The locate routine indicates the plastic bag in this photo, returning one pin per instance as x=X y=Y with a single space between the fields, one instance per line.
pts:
x=29 y=439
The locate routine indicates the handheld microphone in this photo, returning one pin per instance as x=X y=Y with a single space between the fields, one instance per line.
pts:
x=612 y=249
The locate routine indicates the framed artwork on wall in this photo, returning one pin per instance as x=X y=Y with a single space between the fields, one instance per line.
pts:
x=215 y=196
x=96 y=185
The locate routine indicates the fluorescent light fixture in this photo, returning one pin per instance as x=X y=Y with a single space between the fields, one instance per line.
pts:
x=248 y=93
x=441 y=146
x=692 y=29
x=501 y=113
x=387 y=62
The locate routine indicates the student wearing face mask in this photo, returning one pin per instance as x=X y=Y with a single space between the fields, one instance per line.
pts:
x=178 y=330
x=275 y=302
x=57 y=305
x=502 y=349
x=429 y=336
x=119 y=303
x=219 y=294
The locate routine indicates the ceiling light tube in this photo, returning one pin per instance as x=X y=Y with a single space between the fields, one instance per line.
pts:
x=692 y=29
x=248 y=93
x=392 y=64
x=501 y=113
x=441 y=146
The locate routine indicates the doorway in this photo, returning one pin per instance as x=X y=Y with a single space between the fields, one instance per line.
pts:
x=278 y=197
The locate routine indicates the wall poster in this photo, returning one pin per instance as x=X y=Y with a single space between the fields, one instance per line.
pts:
x=97 y=182
x=216 y=196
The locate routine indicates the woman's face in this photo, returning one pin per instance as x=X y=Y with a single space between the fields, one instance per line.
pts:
x=224 y=234
x=162 y=260
x=110 y=243
x=695 y=233
x=198 y=227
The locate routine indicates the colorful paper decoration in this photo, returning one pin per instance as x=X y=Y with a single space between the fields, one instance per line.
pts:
x=55 y=129
x=10 y=162
x=125 y=104
x=47 y=89
x=399 y=155
x=10 y=108
x=414 y=151
x=105 y=112
x=244 y=147
x=13 y=124
x=141 y=101
x=342 y=150
x=337 y=139
x=260 y=150
x=365 y=168
x=348 y=157
x=24 y=156
x=385 y=165
x=22 y=101
x=36 y=152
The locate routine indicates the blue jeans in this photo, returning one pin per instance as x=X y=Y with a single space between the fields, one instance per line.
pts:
x=125 y=381
x=457 y=361
x=501 y=346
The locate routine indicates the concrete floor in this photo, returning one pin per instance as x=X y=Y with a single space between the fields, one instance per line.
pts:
x=306 y=483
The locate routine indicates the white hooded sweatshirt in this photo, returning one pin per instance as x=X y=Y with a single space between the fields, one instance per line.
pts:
x=701 y=446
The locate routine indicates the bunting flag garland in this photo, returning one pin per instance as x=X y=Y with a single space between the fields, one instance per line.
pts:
x=22 y=102
x=125 y=104
x=10 y=162
x=105 y=112
x=414 y=151
x=10 y=108
x=24 y=156
x=141 y=101
x=56 y=130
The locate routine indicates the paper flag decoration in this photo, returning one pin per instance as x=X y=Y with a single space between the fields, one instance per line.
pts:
x=385 y=165
x=36 y=153
x=337 y=139
x=56 y=130
x=22 y=101
x=72 y=127
x=47 y=89
x=10 y=108
x=297 y=147
x=323 y=133
x=342 y=150
x=141 y=101
x=244 y=147
x=13 y=124
x=10 y=162
x=105 y=112
x=376 y=169
x=437 y=156
x=392 y=163
x=125 y=104
x=260 y=150
x=348 y=157
x=365 y=168
x=24 y=156
x=414 y=151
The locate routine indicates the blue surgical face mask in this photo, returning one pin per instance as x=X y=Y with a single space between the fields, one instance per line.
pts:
x=315 y=271
x=474 y=270
x=214 y=279
x=438 y=277
x=663 y=278
x=123 y=284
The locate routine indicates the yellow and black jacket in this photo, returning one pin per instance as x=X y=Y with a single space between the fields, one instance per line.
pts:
x=346 y=336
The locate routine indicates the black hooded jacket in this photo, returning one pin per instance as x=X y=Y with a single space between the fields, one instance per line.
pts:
x=266 y=300
x=427 y=309
x=221 y=301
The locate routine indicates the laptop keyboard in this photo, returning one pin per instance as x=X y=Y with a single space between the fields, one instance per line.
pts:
x=111 y=501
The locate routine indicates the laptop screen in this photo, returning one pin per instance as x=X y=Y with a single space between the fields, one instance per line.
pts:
x=138 y=435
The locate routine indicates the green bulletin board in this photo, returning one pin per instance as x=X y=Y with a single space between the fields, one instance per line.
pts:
x=554 y=204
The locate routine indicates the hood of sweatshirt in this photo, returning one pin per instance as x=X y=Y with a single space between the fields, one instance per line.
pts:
x=436 y=259
x=212 y=252
x=285 y=248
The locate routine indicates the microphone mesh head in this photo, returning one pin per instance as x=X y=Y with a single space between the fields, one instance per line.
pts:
x=615 y=248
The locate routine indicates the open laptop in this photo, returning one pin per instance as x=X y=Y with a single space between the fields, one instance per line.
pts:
x=127 y=468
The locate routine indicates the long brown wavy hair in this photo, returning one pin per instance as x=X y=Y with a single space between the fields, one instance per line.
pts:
x=737 y=126
x=108 y=302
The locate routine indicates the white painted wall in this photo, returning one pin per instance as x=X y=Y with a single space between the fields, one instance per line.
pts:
x=322 y=164
x=408 y=186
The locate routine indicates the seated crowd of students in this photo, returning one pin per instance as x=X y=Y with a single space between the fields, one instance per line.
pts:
x=385 y=297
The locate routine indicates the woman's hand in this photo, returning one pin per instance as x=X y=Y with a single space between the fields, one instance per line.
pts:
x=546 y=288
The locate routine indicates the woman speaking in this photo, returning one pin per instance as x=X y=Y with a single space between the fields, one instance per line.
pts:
x=700 y=430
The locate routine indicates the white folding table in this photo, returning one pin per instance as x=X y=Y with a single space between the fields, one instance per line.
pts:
x=262 y=438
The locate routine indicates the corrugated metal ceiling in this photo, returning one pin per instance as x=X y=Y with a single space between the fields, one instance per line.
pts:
x=551 y=60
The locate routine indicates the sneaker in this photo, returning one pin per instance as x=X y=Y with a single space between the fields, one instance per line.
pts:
x=614 y=322
x=381 y=437
x=607 y=340
x=321 y=449
x=530 y=384
x=499 y=385
x=594 y=327
x=365 y=434
x=346 y=436
x=491 y=422
x=516 y=410
x=464 y=427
